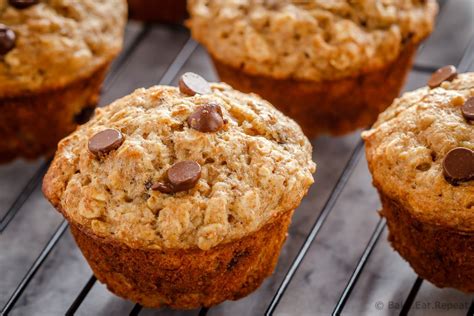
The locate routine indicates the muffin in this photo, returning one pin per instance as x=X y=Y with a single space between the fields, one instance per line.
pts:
x=333 y=66
x=53 y=58
x=421 y=155
x=182 y=197
x=168 y=11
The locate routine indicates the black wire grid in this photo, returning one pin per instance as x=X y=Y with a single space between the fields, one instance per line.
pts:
x=466 y=63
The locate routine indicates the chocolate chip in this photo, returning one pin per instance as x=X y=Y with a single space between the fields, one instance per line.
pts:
x=7 y=39
x=468 y=109
x=184 y=175
x=181 y=176
x=22 y=4
x=105 y=141
x=162 y=187
x=458 y=165
x=191 y=84
x=442 y=74
x=207 y=118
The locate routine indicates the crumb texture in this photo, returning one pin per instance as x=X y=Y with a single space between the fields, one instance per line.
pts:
x=59 y=41
x=309 y=40
x=256 y=167
x=407 y=145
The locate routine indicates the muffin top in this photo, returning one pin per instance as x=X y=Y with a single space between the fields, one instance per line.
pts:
x=52 y=43
x=408 y=148
x=178 y=171
x=309 y=40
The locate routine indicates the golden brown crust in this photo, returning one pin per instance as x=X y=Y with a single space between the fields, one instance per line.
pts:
x=190 y=278
x=337 y=107
x=31 y=125
x=257 y=165
x=170 y=11
x=438 y=254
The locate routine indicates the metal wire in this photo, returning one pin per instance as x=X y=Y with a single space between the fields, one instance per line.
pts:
x=411 y=296
x=24 y=195
x=331 y=201
x=136 y=310
x=122 y=61
x=34 y=268
x=82 y=295
x=424 y=68
x=360 y=266
x=175 y=67
x=470 y=311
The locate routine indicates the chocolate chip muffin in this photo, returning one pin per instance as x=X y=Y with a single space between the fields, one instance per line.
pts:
x=53 y=58
x=168 y=11
x=182 y=197
x=331 y=65
x=421 y=155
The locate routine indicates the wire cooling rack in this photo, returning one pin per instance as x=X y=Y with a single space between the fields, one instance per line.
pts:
x=125 y=74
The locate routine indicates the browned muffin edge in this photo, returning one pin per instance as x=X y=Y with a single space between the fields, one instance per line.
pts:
x=441 y=255
x=185 y=278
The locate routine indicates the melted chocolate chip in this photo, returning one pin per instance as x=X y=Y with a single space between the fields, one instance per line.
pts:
x=22 y=4
x=458 y=165
x=7 y=39
x=446 y=73
x=162 y=187
x=207 y=118
x=468 y=109
x=181 y=176
x=191 y=84
x=105 y=141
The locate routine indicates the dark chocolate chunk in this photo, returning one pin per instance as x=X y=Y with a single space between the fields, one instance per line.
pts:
x=181 y=176
x=162 y=187
x=458 y=165
x=184 y=175
x=191 y=84
x=207 y=118
x=7 y=39
x=442 y=74
x=105 y=141
x=22 y=4
x=468 y=109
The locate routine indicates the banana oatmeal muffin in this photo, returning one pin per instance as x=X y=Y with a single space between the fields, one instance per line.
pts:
x=421 y=155
x=182 y=197
x=333 y=66
x=53 y=58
